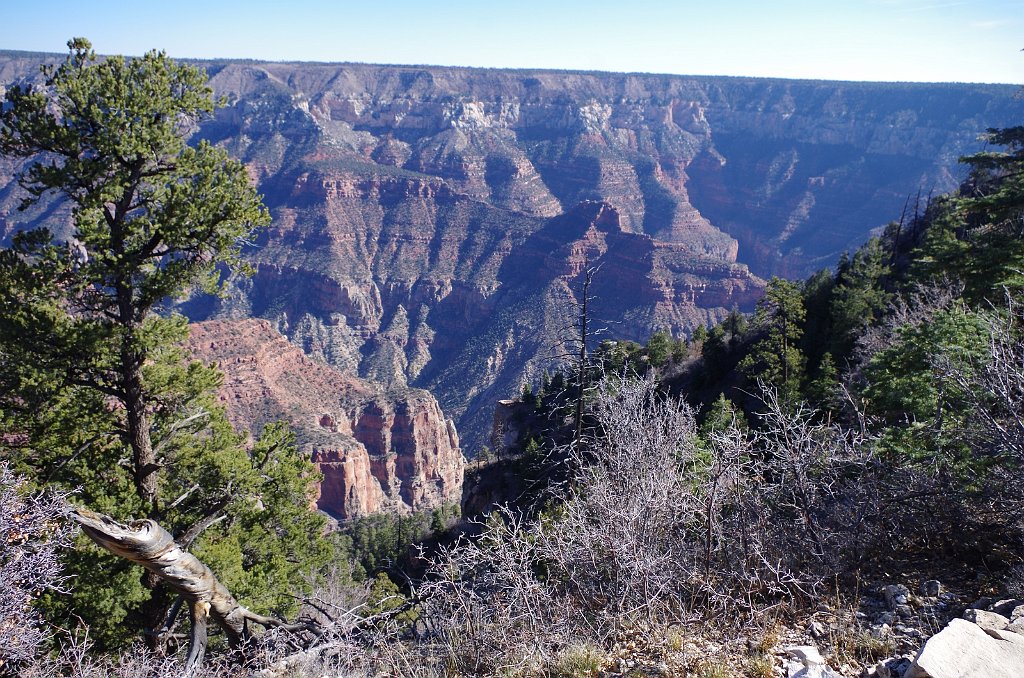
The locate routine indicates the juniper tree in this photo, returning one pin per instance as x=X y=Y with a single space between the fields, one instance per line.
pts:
x=95 y=389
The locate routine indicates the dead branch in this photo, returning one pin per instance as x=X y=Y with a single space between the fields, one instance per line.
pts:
x=145 y=543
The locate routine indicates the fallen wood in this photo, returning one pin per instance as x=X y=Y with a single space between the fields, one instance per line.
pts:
x=147 y=544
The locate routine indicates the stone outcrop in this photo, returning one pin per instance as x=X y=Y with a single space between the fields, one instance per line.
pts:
x=987 y=641
x=966 y=650
x=377 y=449
x=431 y=224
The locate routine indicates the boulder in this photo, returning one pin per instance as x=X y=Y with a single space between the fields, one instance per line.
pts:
x=987 y=620
x=894 y=667
x=965 y=650
x=1008 y=607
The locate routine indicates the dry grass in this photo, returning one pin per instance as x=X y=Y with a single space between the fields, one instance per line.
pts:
x=576 y=661
x=760 y=666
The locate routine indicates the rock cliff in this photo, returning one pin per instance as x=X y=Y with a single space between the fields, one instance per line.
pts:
x=378 y=450
x=431 y=224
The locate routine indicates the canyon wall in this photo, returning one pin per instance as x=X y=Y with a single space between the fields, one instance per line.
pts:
x=378 y=450
x=432 y=225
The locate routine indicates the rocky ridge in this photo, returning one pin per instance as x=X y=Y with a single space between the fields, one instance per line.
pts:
x=377 y=449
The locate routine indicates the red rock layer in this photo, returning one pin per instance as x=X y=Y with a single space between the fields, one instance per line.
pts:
x=377 y=450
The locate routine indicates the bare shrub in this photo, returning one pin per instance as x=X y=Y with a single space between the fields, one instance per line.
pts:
x=486 y=605
x=785 y=507
x=994 y=429
x=653 y=528
x=33 y=529
x=996 y=386
x=74 y=659
x=816 y=478
x=618 y=546
x=973 y=500
x=912 y=310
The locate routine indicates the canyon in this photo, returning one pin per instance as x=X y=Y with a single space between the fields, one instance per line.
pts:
x=432 y=226
x=378 y=450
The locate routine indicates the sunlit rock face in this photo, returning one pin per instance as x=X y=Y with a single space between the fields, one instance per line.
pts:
x=432 y=225
x=378 y=449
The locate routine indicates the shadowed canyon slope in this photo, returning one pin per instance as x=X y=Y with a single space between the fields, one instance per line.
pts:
x=431 y=224
x=378 y=450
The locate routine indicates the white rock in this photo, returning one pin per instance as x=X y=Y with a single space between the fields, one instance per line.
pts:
x=1007 y=635
x=881 y=632
x=808 y=663
x=798 y=670
x=986 y=619
x=807 y=655
x=964 y=650
x=879 y=670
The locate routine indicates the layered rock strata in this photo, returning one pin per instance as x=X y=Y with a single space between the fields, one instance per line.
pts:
x=431 y=224
x=378 y=450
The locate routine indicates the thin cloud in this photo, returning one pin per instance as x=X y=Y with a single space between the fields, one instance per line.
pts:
x=989 y=24
x=918 y=5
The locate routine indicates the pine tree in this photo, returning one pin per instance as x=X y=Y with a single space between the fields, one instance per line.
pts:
x=859 y=296
x=977 y=237
x=95 y=390
x=922 y=411
x=775 y=358
x=659 y=348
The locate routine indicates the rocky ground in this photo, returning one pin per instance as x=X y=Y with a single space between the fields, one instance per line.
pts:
x=892 y=630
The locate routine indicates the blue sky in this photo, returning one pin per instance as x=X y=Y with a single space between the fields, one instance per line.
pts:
x=902 y=40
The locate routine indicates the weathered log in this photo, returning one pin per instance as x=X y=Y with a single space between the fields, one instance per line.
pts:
x=147 y=544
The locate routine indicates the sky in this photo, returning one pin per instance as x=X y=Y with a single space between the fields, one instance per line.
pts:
x=879 y=40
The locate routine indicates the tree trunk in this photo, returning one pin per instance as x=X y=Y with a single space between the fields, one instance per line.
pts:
x=147 y=544
x=144 y=465
x=199 y=614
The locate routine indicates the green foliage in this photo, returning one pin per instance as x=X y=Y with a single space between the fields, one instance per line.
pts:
x=152 y=214
x=816 y=292
x=976 y=236
x=96 y=393
x=859 y=296
x=775 y=358
x=385 y=541
x=387 y=605
x=722 y=415
x=724 y=346
x=659 y=348
x=680 y=350
x=823 y=390
x=735 y=326
x=700 y=335
x=923 y=410
x=943 y=253
x=271 y=524
x=615 y=356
